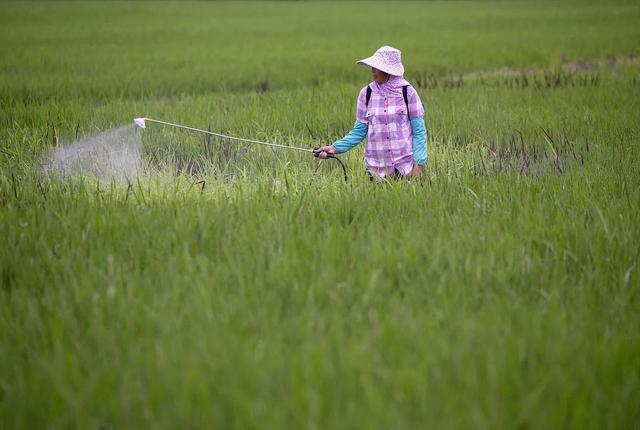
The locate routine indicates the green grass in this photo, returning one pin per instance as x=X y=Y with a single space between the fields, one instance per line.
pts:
x=501 y=292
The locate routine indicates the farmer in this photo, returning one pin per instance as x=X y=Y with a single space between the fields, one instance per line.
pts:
x=390 y=114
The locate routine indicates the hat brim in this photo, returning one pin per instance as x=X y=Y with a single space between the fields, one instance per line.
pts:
x=375 y=62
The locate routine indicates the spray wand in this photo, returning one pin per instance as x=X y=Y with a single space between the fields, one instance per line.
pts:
x=141 y=122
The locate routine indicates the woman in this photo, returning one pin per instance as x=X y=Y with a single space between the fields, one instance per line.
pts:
x=390 y=114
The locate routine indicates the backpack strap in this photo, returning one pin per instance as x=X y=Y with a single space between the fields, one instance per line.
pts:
x=368 y=95
x=406 y=99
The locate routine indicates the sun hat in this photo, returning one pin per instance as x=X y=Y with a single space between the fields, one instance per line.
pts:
x=386 y=59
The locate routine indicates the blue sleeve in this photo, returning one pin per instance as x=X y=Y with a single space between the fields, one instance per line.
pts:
x=352 y=138
x=419 y=141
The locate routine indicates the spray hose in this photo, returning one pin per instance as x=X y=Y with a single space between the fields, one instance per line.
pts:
x=141 y=122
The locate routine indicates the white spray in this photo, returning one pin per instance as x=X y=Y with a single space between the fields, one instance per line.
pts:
x=116 y=153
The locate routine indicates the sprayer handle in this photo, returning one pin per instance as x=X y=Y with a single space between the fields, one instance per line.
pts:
x=316 y=153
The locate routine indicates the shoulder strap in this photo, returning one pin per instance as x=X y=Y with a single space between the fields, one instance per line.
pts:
x=368 y=95
x=406 y=98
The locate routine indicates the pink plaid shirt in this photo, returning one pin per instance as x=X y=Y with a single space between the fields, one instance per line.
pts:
x=389 y=140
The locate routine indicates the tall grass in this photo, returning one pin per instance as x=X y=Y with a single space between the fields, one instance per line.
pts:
x=145 y=49
x=235 y=286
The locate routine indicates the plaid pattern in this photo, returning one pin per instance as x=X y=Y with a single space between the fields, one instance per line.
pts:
x=390 y=140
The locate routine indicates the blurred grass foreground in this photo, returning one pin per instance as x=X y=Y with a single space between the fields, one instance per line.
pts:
x=215 y=284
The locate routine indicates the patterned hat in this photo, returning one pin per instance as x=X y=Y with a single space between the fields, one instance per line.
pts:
x=386 y=59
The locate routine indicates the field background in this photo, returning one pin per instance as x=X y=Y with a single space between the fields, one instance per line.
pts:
x=252 y=290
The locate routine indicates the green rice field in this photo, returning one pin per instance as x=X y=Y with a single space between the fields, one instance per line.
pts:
x=233 y=286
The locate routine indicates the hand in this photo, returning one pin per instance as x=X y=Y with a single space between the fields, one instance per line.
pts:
x=417 y=171
x=323 y=151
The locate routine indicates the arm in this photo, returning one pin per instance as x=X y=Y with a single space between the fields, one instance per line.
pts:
x=419 y=141
x=354 y=137
x=418 y=130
